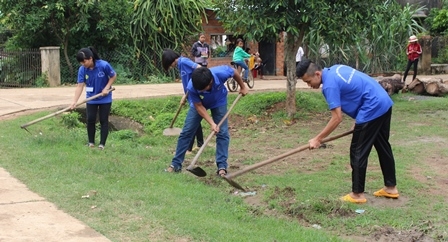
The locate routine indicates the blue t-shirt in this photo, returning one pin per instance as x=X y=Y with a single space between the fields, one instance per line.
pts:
x=217 y=95
x=186 y=67
x=96 y=79
x=358 y=95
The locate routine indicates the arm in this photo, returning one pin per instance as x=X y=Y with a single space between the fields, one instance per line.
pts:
x=194 y=50
x=243 y=88
x=105 y=91
x=336 y=119
x=203 y=112
x=78 y=91
x=419 y=49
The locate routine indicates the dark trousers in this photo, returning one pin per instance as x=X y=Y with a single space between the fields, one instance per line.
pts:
x=373 y=133
x=408 y=67
x=199 y=138
x=103 y=110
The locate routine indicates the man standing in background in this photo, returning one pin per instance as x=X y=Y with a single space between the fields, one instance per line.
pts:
x=201 y=51
x=299 y=55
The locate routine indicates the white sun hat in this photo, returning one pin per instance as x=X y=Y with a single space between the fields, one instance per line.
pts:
x=413 y=38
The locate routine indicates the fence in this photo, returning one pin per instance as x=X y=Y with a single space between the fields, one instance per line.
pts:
x=19 y=68
x=128 y=68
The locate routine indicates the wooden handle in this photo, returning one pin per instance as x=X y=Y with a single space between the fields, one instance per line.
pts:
x=63 y=110
x=212 y=133
x=276 y=158
x=178 y=111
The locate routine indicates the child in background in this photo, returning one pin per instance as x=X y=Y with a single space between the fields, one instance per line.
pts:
x=238 y=58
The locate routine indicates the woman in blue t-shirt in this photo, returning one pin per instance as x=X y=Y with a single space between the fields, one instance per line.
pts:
x=97 y=76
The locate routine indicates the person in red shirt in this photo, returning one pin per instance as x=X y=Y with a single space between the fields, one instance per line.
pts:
x=413 y=52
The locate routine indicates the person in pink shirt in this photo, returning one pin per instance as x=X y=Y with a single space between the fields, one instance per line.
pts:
x=413 y=51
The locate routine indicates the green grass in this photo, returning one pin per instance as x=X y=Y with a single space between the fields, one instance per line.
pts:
x=136 y=200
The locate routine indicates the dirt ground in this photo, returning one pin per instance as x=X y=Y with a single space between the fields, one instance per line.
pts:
x=437 y=164
x=382 y=234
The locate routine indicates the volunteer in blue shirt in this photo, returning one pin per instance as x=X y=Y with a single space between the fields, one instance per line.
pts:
x=206 y=90
x=97 y=76
x=354 y=93
x=185 y=67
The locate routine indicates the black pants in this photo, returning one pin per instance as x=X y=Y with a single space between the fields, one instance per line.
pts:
x=373 y=133
x=199 y=138
x=103 y=110
x=408 y=67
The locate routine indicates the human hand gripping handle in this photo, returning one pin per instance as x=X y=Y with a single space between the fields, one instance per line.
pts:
x=198 y=171
x=65 y=109
x=103 y=93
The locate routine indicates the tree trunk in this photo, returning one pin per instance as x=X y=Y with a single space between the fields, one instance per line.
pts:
x=391 y=84
x=433 y=87
x=290 y=47
x=416 y=86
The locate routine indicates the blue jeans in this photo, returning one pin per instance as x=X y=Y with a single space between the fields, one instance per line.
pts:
x=244 y=66
x=192 y=122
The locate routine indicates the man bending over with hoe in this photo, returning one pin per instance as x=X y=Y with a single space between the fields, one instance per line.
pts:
x=206 y=90
x=362 y=98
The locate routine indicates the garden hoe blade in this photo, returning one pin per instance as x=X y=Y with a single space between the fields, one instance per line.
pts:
x=229 y=177
x=172 y=131
x=233 y=183
x=198 y=171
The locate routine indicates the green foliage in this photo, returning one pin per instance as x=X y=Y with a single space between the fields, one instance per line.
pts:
x=42 y=80
x=438 y=20
x=346 y=27
x=71 y=24
x=163 y=24
x=155 y=114
x=125 y=134
x=71 y=120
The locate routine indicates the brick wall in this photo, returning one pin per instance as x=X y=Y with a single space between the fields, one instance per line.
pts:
x=213 y=27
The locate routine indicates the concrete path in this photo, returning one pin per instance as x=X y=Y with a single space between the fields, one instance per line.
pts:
x=24 y=215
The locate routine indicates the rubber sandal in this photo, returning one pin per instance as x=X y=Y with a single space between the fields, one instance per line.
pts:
x=90 y=145
x=382 y=193
x=101 y=147
x=221 y=172
x=171 y=169
x=348 y=198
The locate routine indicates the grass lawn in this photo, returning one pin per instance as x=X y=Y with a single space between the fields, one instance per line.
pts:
x=296 y=199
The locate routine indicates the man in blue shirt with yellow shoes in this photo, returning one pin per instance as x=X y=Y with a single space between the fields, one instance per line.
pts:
x=206 y=90
x=354 y=93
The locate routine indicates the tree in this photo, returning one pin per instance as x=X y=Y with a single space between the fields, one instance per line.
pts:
x=70 y=24
x=163 y=24
x=338 y=22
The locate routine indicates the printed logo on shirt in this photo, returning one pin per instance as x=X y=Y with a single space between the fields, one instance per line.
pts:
x=183 y=73
x=346 y=79
x=86 y=77
x=101 y=74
